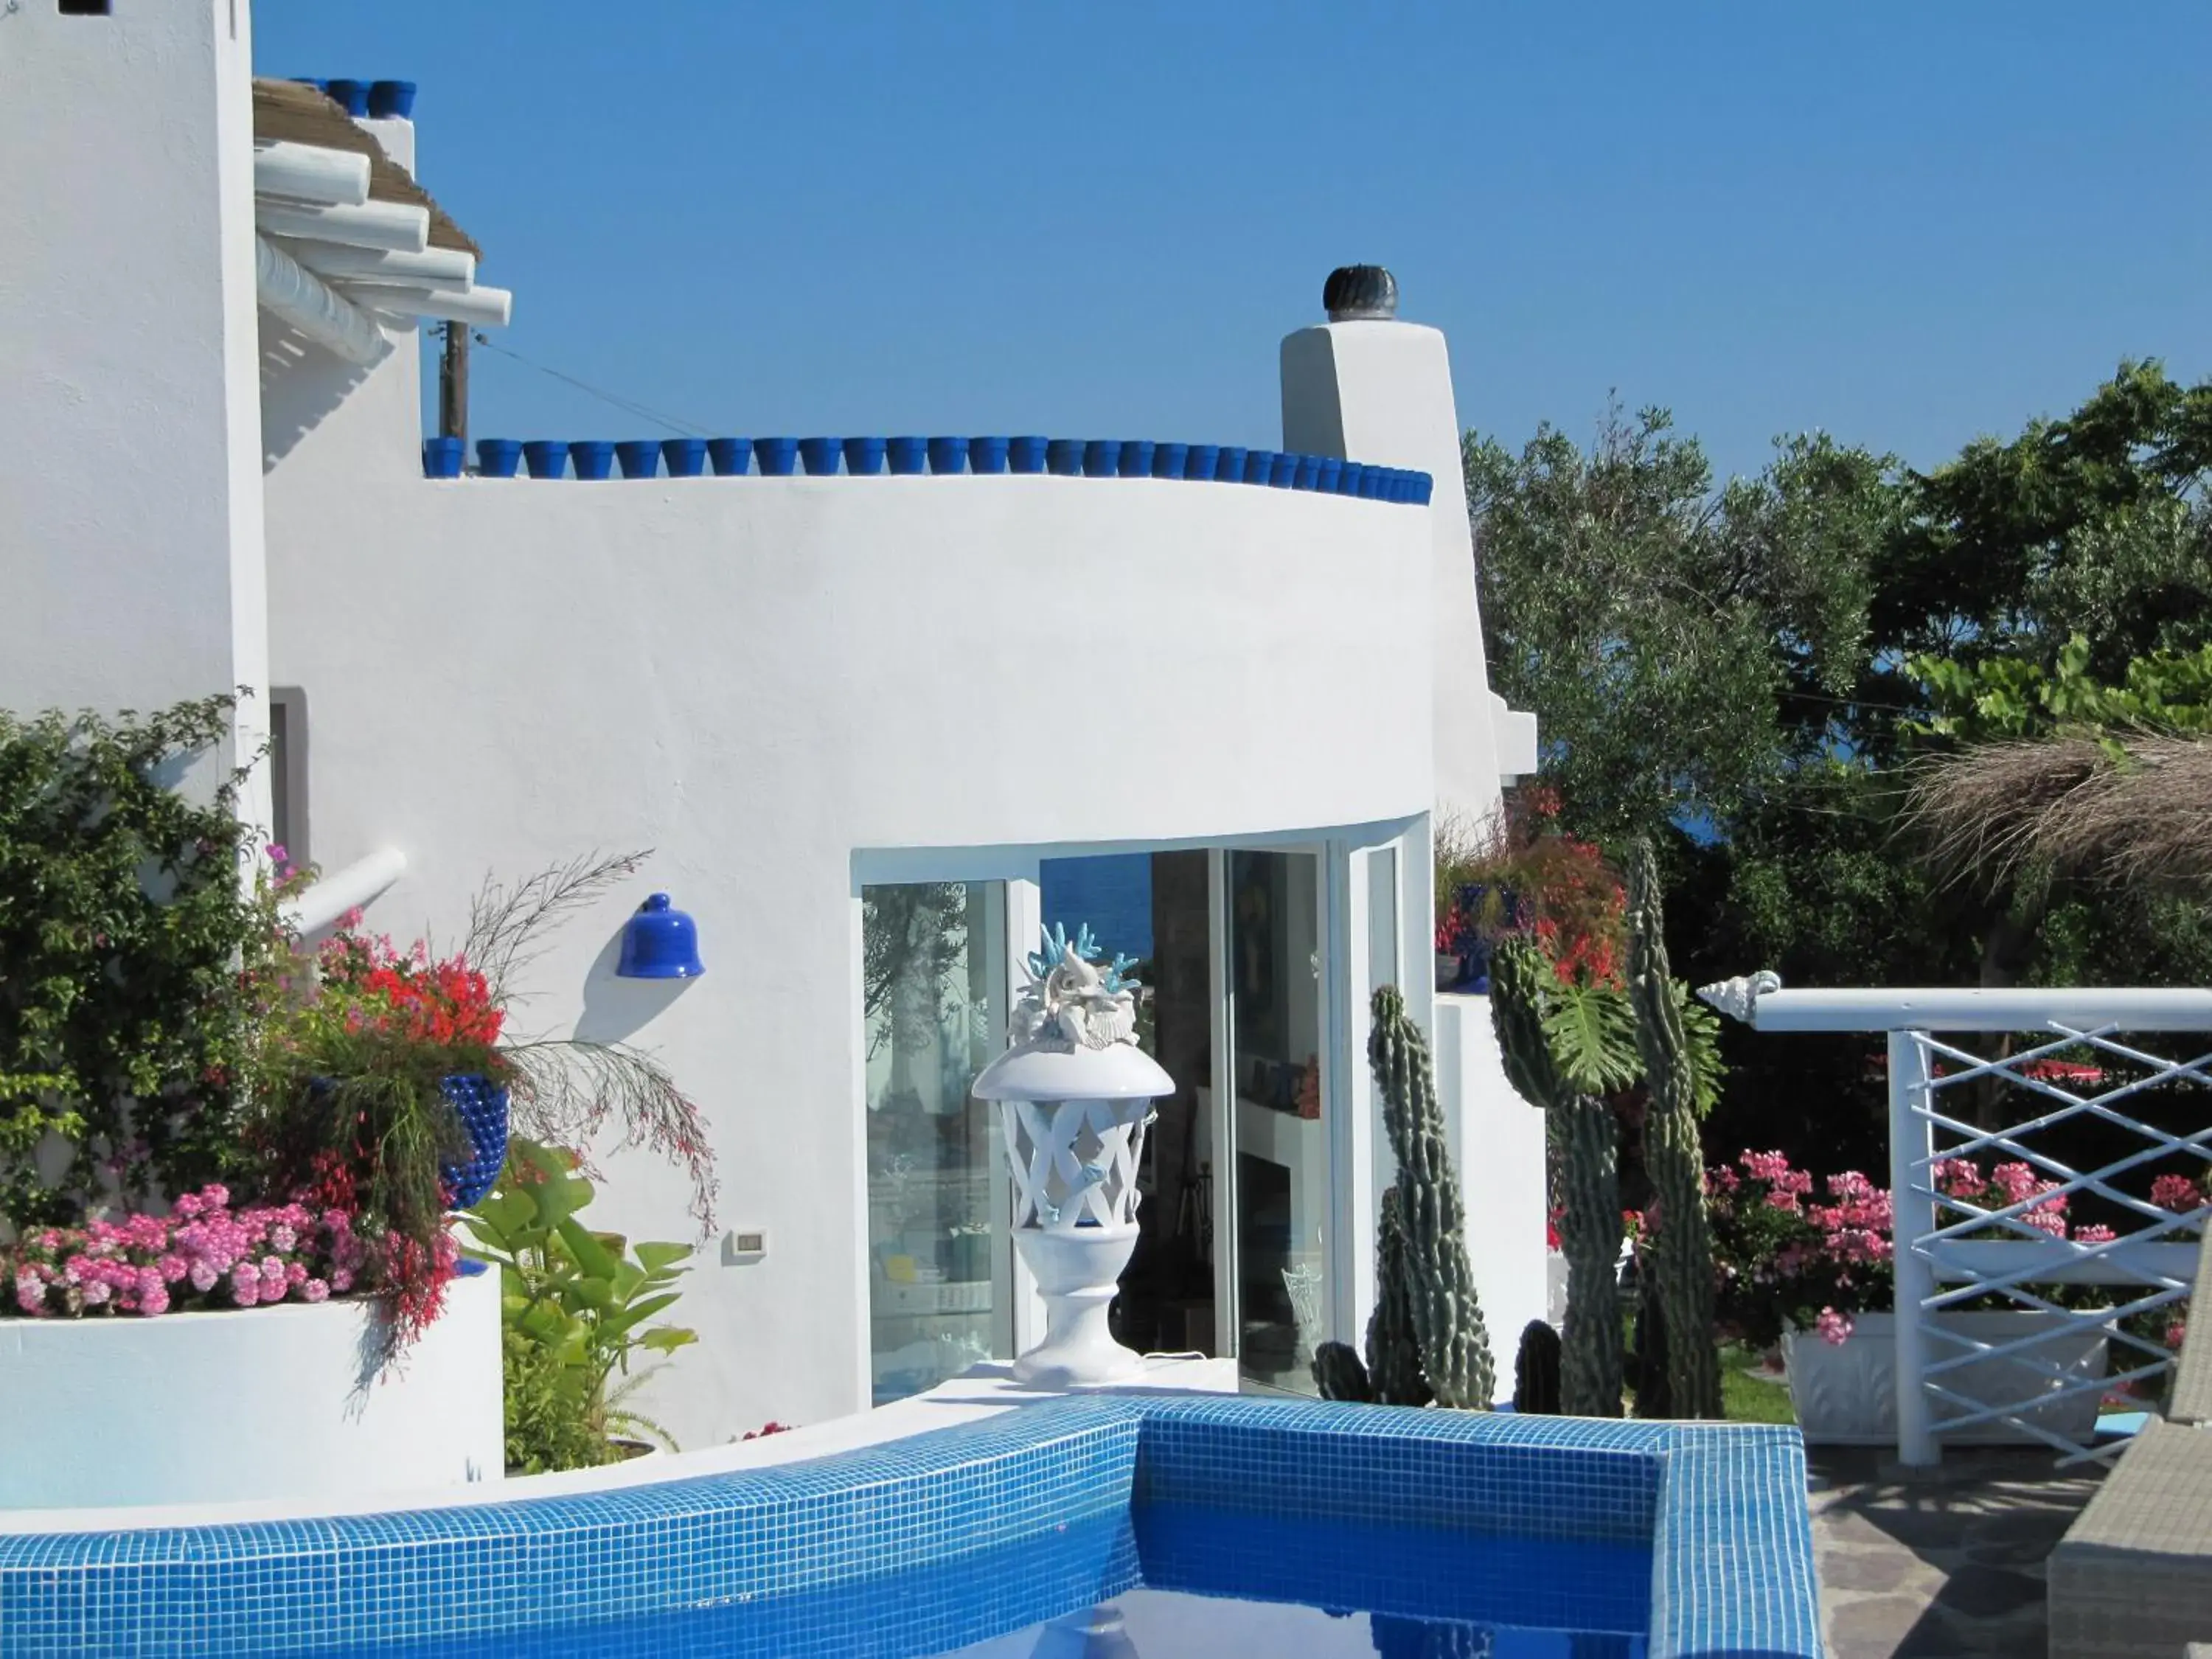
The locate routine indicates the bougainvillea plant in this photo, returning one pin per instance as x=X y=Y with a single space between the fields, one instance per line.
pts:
x=1794 y=1253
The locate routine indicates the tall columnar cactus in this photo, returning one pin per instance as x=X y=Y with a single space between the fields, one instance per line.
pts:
x=1536 y=1370
x=1582 y=1130
x=1681 y=1251
x=1446 y=1319
x=1392 y=1374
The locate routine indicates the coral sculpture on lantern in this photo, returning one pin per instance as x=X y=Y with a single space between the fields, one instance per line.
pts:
x=1075 y=1094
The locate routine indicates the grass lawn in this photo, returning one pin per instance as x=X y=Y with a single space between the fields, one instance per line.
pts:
x=1746 y=1399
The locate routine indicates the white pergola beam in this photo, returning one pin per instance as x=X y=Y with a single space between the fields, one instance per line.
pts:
x=395 y=226
x=289 y=290
x=437 y=267
x=487 y=307
x=311 y=174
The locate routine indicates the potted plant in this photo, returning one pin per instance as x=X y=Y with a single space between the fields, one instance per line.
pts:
x=1517 y=876
x=1814 y=1280
x=576 y=1308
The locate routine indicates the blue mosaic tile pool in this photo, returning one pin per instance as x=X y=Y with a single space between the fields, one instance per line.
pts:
x=974 y=1531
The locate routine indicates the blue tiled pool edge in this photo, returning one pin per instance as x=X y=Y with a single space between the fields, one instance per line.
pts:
x=1722 y=1507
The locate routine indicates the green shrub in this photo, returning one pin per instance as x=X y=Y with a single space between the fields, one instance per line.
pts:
x=574 y=1307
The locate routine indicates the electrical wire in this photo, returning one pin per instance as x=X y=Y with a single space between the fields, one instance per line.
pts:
x=628 y=405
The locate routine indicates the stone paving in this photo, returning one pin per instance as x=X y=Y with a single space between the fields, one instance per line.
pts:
x=1941 y=1565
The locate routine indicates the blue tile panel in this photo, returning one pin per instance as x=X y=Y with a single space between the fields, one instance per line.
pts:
x=1722 y=1508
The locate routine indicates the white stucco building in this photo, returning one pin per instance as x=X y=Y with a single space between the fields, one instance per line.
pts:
x=831 y=705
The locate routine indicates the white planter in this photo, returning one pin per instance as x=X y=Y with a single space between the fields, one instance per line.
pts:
x=1846 y=1395
x=258 y=1403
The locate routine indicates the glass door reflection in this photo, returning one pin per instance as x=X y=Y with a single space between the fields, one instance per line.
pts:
x=1277 y=1016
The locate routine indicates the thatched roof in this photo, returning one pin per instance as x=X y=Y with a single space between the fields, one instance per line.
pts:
x=295 y=112
x=2130 y=807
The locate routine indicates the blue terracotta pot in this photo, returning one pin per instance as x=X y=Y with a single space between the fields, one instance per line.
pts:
x=1201 y=461
x=1347 y=481
x=392 y=99
x=443 y=458
x=730 y=457
x=1229 y=464
x=1101 y=457
x=864 y=457
x=1284 y=472
x=1064 y=457
x=1169 y=459
x=352 y=95
x=1259 y=465
x=1325 y=479
x=1136 y=457
x=820 y=456
x=987 y=454
x=592 y=458
x=1308 y=473
x=1425 y=485
x=686 y=457
x=948 y=455
x=497 y=458
x=483 y=1111
x=639 y=458
x=546 y=457
x=1028 y=454
x=776 y=456
x=908 y=455
x=1370 y=483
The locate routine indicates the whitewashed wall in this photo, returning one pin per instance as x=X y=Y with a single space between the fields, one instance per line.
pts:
x=131 y=503
x=764 y=677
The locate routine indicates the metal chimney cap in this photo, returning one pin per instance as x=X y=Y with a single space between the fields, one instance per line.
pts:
x=1360 y=294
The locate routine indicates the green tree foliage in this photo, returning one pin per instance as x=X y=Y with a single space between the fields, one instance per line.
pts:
x=131 y=957
x=1741 y=672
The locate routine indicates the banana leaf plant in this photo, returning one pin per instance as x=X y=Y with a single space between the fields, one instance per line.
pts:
x=576 y=1308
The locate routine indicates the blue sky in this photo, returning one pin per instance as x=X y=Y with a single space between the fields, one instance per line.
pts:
x=1904 y=223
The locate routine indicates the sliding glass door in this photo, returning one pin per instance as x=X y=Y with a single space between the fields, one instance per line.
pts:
x=1274 y=967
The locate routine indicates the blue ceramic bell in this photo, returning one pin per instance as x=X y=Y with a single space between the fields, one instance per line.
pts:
x=658 y=943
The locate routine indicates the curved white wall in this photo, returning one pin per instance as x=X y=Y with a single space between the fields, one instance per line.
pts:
x=266 y=1403
x=762 y=677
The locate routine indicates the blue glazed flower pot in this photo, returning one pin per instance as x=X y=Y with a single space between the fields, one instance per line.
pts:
x=483 y=1111
x=1201 y=461
x=1308 y=473
x=1136 y=457
x=1101 y=457
x=1370 y=483
x=864 y=457
x=352 y=95
x=592 y=458
x=908 y=455
x=1259 y=465
x=639 y=458
x=497 y=458
x=1229 y=464
x=730 y=457
x=1064 y=457
x=1284 y=472
x=1424 y=486
x=392 y=99
x=948 y=455
x=1331 y=470
x=820 y=456
x=776 y=456
x=1169 y=459
x=987 y=454
x=546 y=457
x=686 y=457
x=1028 y=454
x=443 y=458
x=1347 y=481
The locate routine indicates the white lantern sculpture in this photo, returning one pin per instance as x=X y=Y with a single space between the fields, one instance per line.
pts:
x=1075 y=1094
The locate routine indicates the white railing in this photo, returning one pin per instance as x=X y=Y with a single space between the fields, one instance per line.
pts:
x=316 y=907
x=1944 y=1257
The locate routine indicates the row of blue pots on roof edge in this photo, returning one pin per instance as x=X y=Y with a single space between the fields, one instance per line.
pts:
x=383 y=99
x=1096 y=457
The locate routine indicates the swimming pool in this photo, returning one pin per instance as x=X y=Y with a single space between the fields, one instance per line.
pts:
x=1455 y=1529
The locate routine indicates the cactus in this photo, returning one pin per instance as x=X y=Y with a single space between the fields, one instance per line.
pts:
x=1581 y=1126
x=1392 y=1375
x=1536 y=1370
x=1681 y=1250
x=1446 y=1320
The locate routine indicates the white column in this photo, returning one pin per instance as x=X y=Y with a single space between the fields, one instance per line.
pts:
x=1911 y=1149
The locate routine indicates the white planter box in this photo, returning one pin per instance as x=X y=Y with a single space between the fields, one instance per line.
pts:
x=1846 y=1395
x=258 y=1403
